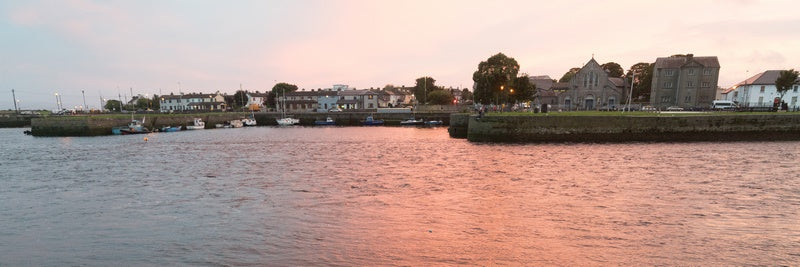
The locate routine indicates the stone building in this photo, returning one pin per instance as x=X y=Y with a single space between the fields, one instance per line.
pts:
x=684 y=81
x=592 y=89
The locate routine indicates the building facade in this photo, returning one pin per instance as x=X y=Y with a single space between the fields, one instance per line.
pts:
x=684 y=81
x=760 y=91
x=592 y=89
x=192 y=102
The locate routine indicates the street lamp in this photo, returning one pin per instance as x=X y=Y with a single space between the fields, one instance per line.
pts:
x=57 y=105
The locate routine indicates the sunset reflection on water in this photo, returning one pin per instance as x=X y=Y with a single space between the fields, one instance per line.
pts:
x=396 y=196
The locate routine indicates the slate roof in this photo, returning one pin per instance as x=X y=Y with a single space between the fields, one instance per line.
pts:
x=677 y=62
x=764 y=78
x=618 y=82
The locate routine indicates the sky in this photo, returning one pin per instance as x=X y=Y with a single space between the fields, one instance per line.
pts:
x=108 y=49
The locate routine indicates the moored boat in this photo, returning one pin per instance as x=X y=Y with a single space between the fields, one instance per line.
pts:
x=197 y=124
x=434 y=122
x=287 y=121
x=134 y=127
x=327 y=121
x=372 y=121
x=411 y=121
x=170 y=128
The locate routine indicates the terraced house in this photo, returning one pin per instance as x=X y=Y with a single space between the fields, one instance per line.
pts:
x=684 y=81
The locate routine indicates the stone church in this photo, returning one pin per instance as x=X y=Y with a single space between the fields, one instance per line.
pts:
x=592 y=89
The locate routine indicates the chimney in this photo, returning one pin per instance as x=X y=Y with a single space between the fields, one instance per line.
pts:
x=689 y=56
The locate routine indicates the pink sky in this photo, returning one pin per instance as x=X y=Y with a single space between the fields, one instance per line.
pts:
x=151 y=46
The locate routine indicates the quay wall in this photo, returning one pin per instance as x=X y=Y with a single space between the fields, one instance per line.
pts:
x=15 y=120
x=534 y=129
x=101 y=125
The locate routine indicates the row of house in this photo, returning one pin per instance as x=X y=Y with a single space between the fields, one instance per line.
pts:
x=338 y=97
x=344 y=98
x=682 y=81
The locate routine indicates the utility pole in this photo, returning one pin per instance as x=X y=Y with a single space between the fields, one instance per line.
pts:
x=14 y=95
x=84 y=100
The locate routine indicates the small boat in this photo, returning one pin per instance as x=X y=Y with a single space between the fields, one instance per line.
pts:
x=249 y=121
x=327 y=121
x=371 y=121
x=411 y=121
x=170 y=129
x=287 y=121
x=134 y=127
x=434 y=123
x=198 y=124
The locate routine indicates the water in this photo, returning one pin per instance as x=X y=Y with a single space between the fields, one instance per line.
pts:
x=392 y=196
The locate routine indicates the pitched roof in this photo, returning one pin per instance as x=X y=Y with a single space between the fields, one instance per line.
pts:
x=675 y=62
x=542 y=82
x=618 y=82
x=356 y=92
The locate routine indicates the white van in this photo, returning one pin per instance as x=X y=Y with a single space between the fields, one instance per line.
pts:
x=723 y=105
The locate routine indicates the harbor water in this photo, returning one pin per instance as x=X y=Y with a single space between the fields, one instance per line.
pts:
x=392 y=196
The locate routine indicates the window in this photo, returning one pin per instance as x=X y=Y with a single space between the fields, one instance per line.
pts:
x=690 y=84
x=704 y=84
x=665 y=99
x=370 y=105
x=687 y=99
x=691 y=71
x=670 y=72
x=795 y=89
x=760 y=100
x=667 y=85
x=794 y=101
x=707 y=72
x=762 y=88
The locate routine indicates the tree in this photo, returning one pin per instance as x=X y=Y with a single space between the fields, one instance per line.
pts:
x=424 y=86
x=785 y=81
x=142 y=103
x=466 y=95
x=613 y=69
x=239 y=99
x=523 y=89
x=155 y=104
x=642 y=80
x=440 y=97
x=112 y=105
x=499 y=70
x=568 y=76
x=280 y=88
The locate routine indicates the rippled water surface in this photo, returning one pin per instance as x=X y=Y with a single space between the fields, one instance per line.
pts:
x=392 y=196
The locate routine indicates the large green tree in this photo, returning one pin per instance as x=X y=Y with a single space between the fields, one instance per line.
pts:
x=642 y=80
x=424 y=86
x=239 y=99
x=496 y=72
x=280 y=88
x=568 y=76
x=785 y=81
x=440 y=97
x=112 y=105
x=466 y=95
x=143 y=103
x=613 y=69
x=523 y=89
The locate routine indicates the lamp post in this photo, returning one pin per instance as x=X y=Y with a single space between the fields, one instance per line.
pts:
x=15 y=100
x=84 y=100
x=57 y=106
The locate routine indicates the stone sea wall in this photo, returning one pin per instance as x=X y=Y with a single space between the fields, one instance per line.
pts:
x=663 y=127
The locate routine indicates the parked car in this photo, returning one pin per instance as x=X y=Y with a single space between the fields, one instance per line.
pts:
x=723 y=105
x=674 y=108
x=648 y=108
x=335 y=109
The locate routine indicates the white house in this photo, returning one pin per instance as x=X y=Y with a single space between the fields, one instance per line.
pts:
x=760 y=91
x=210 y=102
x=255 y=101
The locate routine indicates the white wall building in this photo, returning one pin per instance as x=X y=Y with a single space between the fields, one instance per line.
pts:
x=760 y=91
